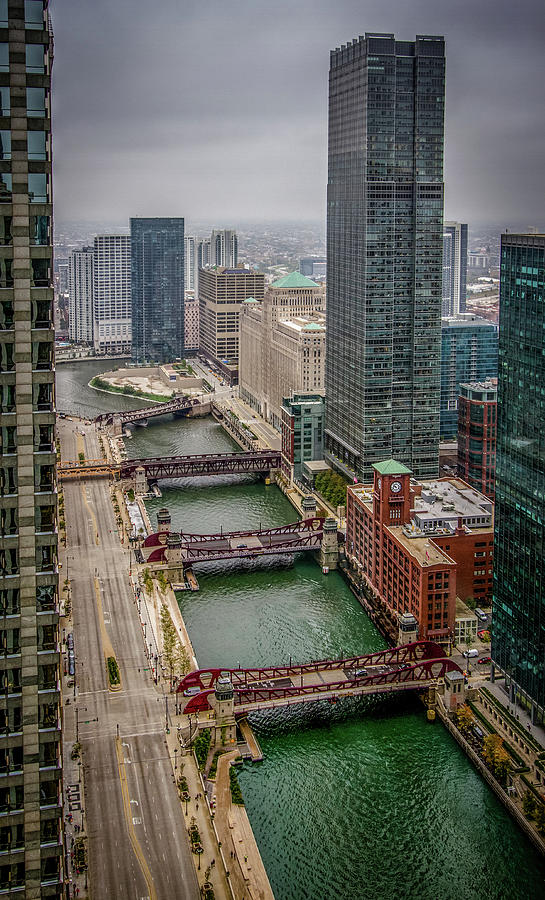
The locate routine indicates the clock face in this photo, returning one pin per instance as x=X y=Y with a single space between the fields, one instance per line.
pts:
x=396 y=487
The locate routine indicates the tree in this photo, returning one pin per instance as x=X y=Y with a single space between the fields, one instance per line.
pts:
x=175 y=654
x=529 y=804
x=464 y=717
x=496 y=757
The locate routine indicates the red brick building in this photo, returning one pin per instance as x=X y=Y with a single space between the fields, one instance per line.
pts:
x=477 y=405
x=418 y=546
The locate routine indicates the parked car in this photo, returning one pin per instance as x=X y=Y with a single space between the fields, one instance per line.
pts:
x=484 y=659
x=471 y=654
x=481 y=615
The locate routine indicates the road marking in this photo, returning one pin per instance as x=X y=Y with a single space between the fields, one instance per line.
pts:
x=91 y=513
x=130 y=825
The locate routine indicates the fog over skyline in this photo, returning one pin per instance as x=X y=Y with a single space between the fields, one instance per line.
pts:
x=218 y=111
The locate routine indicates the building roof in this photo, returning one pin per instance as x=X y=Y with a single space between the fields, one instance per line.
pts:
x=294 y=280
x=391 y=467
x=251 y=300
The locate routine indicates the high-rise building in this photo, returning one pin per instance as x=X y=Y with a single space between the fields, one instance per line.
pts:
x=221 y=293
x=203 y=254
x=302 y=432
x=224 y=248
x=157 y=289
x=80 y=290
x=112 y=293
x=454 y=268
x=477 y=410
x=384 y=253
x=313 y=266
x=191 y=322
x=469 y=352
x=518 y=637
x=190 y=262
x=31 y=843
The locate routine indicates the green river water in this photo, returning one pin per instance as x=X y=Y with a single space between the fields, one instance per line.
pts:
x=361 y=799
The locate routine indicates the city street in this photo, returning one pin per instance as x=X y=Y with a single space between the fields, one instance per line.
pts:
x=138 y=845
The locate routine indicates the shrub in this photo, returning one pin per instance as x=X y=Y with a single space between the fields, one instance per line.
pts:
x=202 y=746
x=113 y=671
x=236 y=793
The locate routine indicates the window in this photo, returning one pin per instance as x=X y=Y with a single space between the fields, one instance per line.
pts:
x=35 y=58
x=36 y=144
x=4 y=101
x=5 y=187
x=4 y=57
x=5 y=144
x=39 y=230
x=35 y=102
x=34 y=14
x=3 y=13
x=37 y=187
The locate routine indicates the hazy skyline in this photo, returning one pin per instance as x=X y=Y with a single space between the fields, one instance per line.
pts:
x=219 y=111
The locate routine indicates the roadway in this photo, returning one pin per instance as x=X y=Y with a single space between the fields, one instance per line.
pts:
x=138 y=846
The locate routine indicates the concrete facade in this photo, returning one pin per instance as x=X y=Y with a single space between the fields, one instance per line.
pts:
x=221 y=294
x=112 y=293
x=80 y=290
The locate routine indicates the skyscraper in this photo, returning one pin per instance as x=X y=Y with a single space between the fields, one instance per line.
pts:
x=469 y=352
x=384 y=253
x=157 y=289
x=112 y=293
x=80 y=289
x=190 y=262
x=221 y=294
x=224 y=248
x=454 y=268
x=518 y=636
x=31 y=844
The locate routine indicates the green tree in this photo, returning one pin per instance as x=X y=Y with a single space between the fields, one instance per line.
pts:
x=529 y=804
x=464 y=717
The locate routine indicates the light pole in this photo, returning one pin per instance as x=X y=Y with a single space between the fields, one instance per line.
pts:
x=175 y=759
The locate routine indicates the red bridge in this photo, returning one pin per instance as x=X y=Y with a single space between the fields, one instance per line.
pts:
x=411 y=667
x=180 y=405
x=208 y=464
x=194 y=548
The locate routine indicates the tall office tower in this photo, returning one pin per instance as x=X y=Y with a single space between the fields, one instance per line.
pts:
x=221 y=293
x=469 y=352
x=518 y=637
x=454 y=268
x=477 y=414
x=384 y=253
x=203 y=254
x=190 y=261
x=80 y=290
x=31 y=843
x=112 y=293
x=157 y=289
x=224 y=249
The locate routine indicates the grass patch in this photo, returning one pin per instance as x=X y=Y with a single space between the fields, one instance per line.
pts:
x=128 y=390
x=214 y=766
x=236 y=793
x=114 y=676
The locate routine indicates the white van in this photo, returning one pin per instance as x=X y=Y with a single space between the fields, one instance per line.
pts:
x=481 y=615
x=471 y=654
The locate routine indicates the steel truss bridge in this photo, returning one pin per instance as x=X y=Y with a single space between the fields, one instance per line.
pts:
x=195 y=548
x=180 y=405
x=91 y=468
x=411 y=667
x=207 y=464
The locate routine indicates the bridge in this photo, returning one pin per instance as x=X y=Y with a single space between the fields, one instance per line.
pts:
x=179 y=405
x=175 y=548
x=155 y=468
x=411 y=667
x=91 y=468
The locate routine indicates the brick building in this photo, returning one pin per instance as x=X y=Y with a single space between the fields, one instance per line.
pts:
x=417 y=546
x=477 y=408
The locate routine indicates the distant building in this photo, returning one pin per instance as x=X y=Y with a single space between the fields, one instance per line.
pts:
x=157 y=289
x=221 y=294
x=469 y=352
x=203 y=253
x=384 y=253
x=478 y=260
x=477 y=409
x=112 y=293
x=314 y=267
x=80 y=291
x=454 y=268
x=191 y=322
x=417 y=546
x=224 y=248
x=190 y=263
x=282 y=345
x=302 y=431
x=518 y=638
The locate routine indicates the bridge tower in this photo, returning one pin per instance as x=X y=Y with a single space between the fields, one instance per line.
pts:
x=308 y=507
x=223 y=704
x=140 y=482
x=408 y=629
x=329 y=551
x=163 y=520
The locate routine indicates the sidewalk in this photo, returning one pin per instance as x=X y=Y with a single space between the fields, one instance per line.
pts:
x=497 y=688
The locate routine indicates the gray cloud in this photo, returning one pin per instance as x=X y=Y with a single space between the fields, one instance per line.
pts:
x=219 y=111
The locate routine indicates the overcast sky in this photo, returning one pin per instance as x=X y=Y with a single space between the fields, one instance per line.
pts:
x=217 y=109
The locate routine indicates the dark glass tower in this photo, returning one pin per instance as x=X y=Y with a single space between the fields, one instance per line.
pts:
x=157 y=289
x=384 y=253
x=518 y=637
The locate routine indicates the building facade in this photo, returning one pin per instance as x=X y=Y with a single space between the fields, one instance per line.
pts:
x=303 y=418
x=221 y=294
x=454 y=268
x=384 y=253
x=282 y=345
x=190 y=263
x=469 y=352
x=112 y=293
x=157 y=289
x=314 y=267
x=80 y=290
x=224 y=248
x=418 y=546
x=191 y=322
x=31 y=836
x=518 y=639
x=477 y=411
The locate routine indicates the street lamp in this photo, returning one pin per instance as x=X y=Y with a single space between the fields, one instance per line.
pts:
x=175 y=759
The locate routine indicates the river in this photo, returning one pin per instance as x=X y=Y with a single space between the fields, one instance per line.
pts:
x=363 y=799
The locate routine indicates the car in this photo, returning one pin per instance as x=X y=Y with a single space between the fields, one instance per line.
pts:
x=484 y=659
x=70 y=641
x=241 y=546
x=471 y=654
x=481 y=615
x=224 y=679
x=192 y=691
x=405 y=666
x=482 y=632
x=361 y=672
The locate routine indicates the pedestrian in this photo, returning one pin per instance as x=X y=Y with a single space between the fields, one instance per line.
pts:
x=197 y=806
x=213 y=863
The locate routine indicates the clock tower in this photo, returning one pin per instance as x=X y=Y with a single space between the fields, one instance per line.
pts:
x=392 y=493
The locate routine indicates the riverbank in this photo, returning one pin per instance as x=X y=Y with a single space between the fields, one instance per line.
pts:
x=99 y=383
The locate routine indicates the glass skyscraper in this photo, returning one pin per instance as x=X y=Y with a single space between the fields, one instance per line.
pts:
x=454 y=268
x=31 y=837
x=469 y=352
x=518 y=635
x=384 y=253
x=157 y=289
